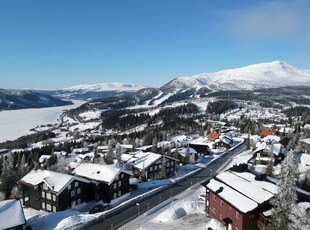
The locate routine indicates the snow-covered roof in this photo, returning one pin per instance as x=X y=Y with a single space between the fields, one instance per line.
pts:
x=142 y=160
x=238 y=200
x=44 y=157
x=126 y=146
x=11 y=214
x=271 y=138
x=307 y=140
x=54 y=180
x=242 y=190
x=126 y=157
x=276 y=148
x=103 y=147
x=186 y=151
x=103 y=173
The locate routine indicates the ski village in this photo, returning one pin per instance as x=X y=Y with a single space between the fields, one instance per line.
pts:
x=196 y=153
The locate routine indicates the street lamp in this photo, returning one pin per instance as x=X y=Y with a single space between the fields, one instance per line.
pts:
x=138 y=204
x=138 y=209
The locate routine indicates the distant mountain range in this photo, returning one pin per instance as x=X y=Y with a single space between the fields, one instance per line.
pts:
x=253 y=77
x=263 y=75
x=23 y=99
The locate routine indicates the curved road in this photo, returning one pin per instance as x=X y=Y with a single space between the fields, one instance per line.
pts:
x=120 y=216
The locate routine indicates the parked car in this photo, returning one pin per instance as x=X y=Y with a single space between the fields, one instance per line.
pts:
x=100 y=208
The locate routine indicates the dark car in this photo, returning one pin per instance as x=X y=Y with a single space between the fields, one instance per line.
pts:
x=100 y=208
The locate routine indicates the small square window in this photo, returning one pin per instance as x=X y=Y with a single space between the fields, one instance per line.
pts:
x=114 y=186
x=214 y=197
x=119 y=193
x=237 y=215
x=54 y=208
x=151 y=169
x=78 y=191
x=159 y=166
x=43 y=194
x=122 y=175
x=76 y=184
x=54 y=197
x=43 y=205
x=72 y=193
x=115 y=196
x=69 y=187
x=48 y=207
x=119 y=184
x=79 y=201
x=48 y=196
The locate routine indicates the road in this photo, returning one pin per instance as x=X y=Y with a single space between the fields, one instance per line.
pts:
x=121 y=216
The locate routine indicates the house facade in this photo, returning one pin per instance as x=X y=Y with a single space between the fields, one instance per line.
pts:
x=108 y=182
x=238 y=199
x=148 y=165
x=53 y=191
x=305 y=145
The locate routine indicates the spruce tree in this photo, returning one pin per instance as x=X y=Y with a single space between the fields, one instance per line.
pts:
x=285 y=199
x=8 y=177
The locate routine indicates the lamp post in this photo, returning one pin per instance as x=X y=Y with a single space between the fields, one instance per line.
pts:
x=138 y=204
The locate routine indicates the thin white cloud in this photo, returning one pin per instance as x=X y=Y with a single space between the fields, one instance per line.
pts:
x=268 y=19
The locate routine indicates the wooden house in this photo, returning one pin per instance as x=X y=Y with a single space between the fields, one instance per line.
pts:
x=237 y=199
x=148 y=165
x=52 y=191
x=108 y=182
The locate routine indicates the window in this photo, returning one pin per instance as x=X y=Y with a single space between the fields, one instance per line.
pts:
x=54 y=197
x=214 y=197
x=69 y=187
x=122 y=175
x=151 y=169
x=159 y=166
x=72 y=193
x=76 y=184
x=78 y=191
x=43 y=205
x=221 y=216
x=48 y=207
x=43 y=194
x=44 y=186
x=119 y=193
x=155 y=167
x=222 y=203
x=168 y=164
x=114 y=186
x=114 y=196
x=237 y=215
x=48 y=196
x=172 y=162
x=119 y=184
x=54 y=208
x=79 y=201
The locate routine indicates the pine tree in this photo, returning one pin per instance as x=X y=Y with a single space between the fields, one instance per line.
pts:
x=8 y=177
x=22 y=170
x=118 y=152
x=269 y=168
x=109 y=156
x=285 y=199
x=154 y=145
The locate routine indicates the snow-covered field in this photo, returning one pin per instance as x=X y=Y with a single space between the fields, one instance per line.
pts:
x=16 y=123
x=185 y=211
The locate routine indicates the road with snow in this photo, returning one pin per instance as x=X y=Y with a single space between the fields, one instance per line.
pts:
x=120 y=216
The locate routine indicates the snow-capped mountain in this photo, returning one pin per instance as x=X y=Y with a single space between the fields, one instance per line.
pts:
x=100 y=87
x=94 y=91
x=263 y=75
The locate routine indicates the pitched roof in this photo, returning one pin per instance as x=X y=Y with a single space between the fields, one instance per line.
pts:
x=102 y=173
x=212 y=136
x=56 y=181
x=266 y=132
x=11 y=214
x=242 y=190
x=142 y=160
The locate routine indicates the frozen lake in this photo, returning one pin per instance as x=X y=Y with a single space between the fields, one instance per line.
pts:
x=16 y=123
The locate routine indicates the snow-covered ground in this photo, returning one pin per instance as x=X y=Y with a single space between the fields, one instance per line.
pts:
x=16 y=123
x=184 y=211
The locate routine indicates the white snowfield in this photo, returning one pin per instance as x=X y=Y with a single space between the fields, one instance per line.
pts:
x=16 y=123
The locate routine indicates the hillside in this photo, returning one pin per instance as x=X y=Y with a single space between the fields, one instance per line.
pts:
x=23 y=99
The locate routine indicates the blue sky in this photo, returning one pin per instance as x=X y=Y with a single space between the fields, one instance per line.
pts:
x=61 y=43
